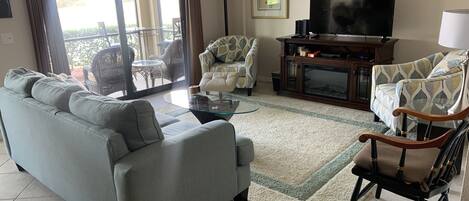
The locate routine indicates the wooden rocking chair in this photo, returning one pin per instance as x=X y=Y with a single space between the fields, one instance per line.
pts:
x=417 y=170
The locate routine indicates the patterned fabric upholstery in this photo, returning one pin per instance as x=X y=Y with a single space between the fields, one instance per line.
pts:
x=232 y=54
x=231 y=48
x=451 y=63
x=401 y=85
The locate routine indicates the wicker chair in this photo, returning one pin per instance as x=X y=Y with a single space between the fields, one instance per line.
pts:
x=417 y=170
x=108 y=70
x=173 y=59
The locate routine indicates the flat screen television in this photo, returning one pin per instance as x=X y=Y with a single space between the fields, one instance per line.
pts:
x=352 y=17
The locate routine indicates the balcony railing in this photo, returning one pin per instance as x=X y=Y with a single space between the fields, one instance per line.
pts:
x=81 y=50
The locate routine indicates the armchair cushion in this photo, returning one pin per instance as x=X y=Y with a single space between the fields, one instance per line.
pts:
x=135 y=120
x=451 y=63
x=418 y=163
x=21 y=80
x=236 y=67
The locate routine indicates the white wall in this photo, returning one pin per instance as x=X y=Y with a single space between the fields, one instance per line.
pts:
x=416 y=24
x=213 y=21
x=21 y=52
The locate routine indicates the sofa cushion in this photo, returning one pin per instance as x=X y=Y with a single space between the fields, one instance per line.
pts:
x=21 y=80
x=451 y=63
x=164 y=119
x=244 y=150
x=178 y=128
x=67 y=78
x=418 y=162
x=135 y=120
x=55 y=92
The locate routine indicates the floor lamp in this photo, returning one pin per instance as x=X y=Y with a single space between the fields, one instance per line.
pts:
x=454 y=33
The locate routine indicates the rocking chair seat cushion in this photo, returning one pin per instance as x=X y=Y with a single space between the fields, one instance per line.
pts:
x=418 y=162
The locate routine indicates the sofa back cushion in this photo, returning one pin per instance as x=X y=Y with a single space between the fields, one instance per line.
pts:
x=135 y=120
x=229 y=49
x=55 y=92
x=21 y=80
x=451 y=63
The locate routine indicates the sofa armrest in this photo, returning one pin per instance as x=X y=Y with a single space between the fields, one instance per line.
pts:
x=199 y=164
x=206 y=60
x=244 y=150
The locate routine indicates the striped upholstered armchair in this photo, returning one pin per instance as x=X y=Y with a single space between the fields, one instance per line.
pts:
x=434 y=78
x=233 y=54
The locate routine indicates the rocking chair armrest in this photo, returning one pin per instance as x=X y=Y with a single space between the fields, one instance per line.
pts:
x=431 y=117
x=404 y=143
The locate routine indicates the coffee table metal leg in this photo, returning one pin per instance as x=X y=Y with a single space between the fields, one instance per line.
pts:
x=205 y=117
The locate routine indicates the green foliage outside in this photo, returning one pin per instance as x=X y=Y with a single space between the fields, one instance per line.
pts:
x=81 y=52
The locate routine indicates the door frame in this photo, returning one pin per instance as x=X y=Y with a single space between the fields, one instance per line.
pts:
x=131 y=94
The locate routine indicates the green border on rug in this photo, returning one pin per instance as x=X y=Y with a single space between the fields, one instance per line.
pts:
x=325 y=173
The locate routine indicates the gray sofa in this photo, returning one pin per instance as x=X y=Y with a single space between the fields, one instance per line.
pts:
x=88 y=147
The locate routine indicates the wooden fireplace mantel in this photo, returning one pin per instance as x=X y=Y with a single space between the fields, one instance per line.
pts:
x=355 y=56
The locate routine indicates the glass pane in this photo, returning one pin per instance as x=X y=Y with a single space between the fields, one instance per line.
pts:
x=154 y=33
x=363 y=84
x=325 y=81
x=292 y=68
x=92 y=43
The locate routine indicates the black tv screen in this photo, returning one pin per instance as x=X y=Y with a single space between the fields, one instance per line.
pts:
x=352 y=17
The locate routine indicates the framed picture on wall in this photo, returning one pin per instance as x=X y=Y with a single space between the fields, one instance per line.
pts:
x=5 y=9
x=270 y=9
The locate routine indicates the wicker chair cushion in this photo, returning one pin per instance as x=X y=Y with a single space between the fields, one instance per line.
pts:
x=418 y=163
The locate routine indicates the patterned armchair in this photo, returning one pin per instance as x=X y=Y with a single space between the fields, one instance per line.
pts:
x=433 y=79
x=233 y=54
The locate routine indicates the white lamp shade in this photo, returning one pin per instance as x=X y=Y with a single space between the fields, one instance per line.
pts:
x=454 y=31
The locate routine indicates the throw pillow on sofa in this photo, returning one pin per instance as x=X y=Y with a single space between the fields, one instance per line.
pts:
x=135 y=120
x=54 y=91
x=21 y=80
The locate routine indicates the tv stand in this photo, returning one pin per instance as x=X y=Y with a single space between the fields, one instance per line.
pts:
x=340 y=74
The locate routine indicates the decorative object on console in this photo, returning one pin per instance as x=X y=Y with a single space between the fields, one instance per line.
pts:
x=302 y=28
x=270 y=9
x=453 y=34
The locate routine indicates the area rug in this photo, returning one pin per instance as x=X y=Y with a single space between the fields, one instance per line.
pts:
x=299 y=145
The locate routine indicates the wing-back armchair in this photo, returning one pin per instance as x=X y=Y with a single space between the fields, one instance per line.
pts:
x=233 y=54
x=436 y=78
x=108 y=71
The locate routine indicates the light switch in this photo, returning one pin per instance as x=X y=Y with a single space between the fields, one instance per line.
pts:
x=7 y=38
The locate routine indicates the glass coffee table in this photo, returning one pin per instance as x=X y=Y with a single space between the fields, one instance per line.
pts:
x=208 y=108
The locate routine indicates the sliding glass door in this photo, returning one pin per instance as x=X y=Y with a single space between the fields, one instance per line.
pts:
x=124 y=48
